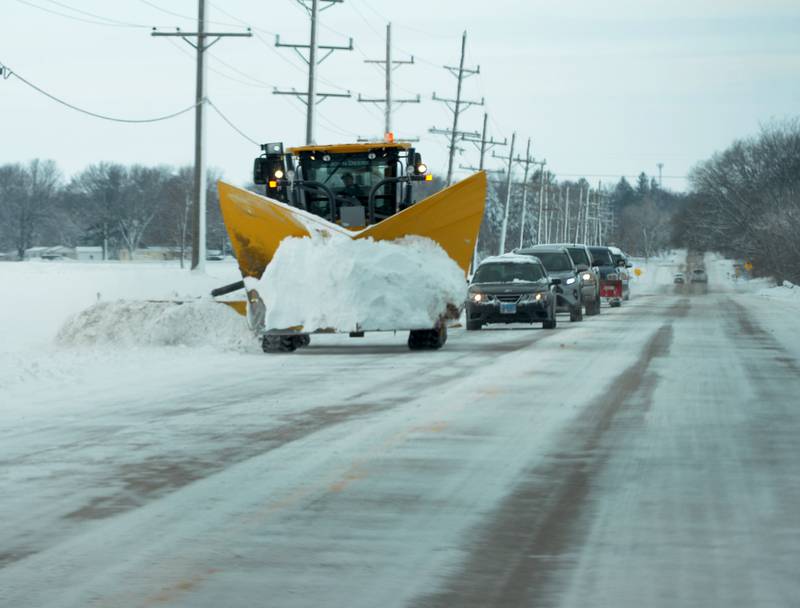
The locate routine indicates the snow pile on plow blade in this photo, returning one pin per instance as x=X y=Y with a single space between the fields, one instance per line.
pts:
x=451 y=218
x=341 y=284
x=140 y=323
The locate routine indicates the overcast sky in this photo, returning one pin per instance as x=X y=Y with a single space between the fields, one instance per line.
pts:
x=602 y=88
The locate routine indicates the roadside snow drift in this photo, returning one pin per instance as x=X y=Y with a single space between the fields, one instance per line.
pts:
x=200 y=323
x=349 y=285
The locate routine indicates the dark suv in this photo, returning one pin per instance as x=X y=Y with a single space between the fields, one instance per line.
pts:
x=559 y=265
x=511 y=289
x=611 y=269
x=589 y=277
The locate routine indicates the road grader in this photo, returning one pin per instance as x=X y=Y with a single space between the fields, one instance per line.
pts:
x=360 y=190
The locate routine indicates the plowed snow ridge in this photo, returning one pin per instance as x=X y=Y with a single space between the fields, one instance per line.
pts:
x=201 y=323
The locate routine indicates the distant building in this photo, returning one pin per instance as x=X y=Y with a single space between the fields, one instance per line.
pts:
x=58 y=252
x=150 y=254
x=35 y=253
x=88 y=253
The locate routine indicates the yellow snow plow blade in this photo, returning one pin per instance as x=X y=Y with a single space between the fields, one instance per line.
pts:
x=257 y=224
x=451 y=217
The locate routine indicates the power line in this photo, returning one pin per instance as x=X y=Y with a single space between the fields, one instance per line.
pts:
x=271 y=46
x=616 y=175
x=7 y=70
x=329 y=124
x=230 y=124
x=311 y=97
x=107 y=22
x=238 y=20
x=182 y=16
x=96 y=16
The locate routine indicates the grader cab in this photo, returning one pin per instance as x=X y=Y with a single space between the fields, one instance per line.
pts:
x=354 y=185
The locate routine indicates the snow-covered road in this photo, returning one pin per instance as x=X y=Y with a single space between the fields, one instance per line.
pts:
x=645 y=457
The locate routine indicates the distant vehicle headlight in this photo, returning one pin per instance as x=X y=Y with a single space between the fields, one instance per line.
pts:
x=570 y=280
x=478 y=297
x=586 y=276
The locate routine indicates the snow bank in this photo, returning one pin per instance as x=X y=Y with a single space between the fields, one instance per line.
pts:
x=126 y=324
x=37 y=298
x=787 y=291
x=345 y=284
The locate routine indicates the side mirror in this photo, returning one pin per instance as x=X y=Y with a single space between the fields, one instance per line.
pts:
x=555 y=281
x=260 y=171
x=628 y=265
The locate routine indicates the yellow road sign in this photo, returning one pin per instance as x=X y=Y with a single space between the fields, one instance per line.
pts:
x=748 y=266
x=637 y=272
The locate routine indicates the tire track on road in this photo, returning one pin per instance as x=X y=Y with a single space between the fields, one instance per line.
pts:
x=515 y=558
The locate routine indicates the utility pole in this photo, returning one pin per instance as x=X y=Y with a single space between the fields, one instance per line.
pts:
x=527 y=161
x=660 y=168
x=586 y=216
x=201 y=45
x=566 y=215
x=311 y=97
x=510 y=159
x=483 y=144
x=541 y=202
x=548 y=191
x=389 y=65
x=597 y=221
x=578 y=216
x=457 y=105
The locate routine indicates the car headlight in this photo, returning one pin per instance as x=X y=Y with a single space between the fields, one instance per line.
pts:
x=570 y=280
x=479 y=297
x=533 y=297
x=587 y=276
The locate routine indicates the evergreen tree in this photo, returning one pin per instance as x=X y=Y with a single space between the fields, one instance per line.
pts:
x=643 y=185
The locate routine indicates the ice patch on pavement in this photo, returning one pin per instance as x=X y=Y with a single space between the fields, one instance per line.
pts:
x=345 y=284
x=125 y=323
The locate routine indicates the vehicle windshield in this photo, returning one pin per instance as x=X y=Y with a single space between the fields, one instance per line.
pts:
x=578 y=255
x=554 y=261
x=508 y=272
x=602 y=256
x=351 y=178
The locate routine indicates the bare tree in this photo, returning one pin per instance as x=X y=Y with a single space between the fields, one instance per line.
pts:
x=100 y=193
x=747 y=201
x=26 y=197
x=143 y=193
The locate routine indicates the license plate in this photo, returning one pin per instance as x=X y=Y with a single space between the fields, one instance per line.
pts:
x=508 y=308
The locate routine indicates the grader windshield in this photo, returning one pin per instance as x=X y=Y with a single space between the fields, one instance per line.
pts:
x=352 y=178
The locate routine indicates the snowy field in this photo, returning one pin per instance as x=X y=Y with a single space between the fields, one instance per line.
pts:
x=644 y=457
